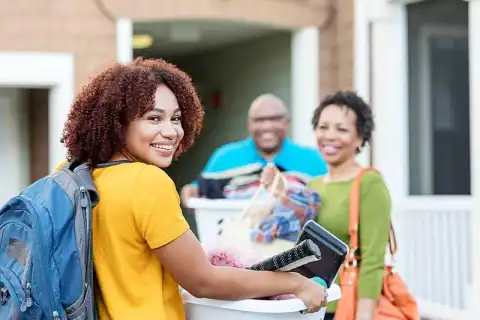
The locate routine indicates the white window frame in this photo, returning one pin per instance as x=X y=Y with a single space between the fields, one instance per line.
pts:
x=55 y=71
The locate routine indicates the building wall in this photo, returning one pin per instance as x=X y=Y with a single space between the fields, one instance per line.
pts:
x=337 y=48
x=88 y=31
x=75 y=27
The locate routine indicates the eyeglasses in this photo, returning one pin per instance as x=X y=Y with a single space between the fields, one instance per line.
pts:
x=273 y=118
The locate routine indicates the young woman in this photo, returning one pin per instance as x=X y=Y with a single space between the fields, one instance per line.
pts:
x=138 y=117
x=343 y=124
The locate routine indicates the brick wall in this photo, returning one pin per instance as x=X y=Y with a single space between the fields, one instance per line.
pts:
x=337 y=44
x=81 y=28
x=59 y=26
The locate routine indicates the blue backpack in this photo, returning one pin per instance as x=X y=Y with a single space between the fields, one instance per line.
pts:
x=46 y=257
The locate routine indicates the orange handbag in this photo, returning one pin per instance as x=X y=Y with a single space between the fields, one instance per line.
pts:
x=395 y=302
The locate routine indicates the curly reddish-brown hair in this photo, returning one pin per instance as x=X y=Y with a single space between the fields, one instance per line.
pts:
x=95 y=128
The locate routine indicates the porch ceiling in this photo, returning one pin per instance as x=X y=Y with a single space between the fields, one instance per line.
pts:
x=186 y=37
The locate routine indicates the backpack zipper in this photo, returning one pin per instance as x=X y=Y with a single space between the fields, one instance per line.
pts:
x=25 y=282
x=10 y=288
x=85 y=203
x=41 y=244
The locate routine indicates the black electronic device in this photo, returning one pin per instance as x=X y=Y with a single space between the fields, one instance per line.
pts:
x=334 y=251
x=292 y=260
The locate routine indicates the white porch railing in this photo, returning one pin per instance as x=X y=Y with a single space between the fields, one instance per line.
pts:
x=435 y=253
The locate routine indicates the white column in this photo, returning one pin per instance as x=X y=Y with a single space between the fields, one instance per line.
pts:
x=474 y=47
x=124 y=40
x=390 y=96
x=362 y=62
x=305 y=82
x=60 y=101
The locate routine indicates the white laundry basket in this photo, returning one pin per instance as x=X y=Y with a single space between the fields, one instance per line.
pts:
x=207 y=309
x=209 y=212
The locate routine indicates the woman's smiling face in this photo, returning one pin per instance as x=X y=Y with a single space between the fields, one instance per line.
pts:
x=154 y=137
x=337 y=136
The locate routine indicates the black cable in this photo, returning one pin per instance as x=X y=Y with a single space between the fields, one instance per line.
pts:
x=105 y=11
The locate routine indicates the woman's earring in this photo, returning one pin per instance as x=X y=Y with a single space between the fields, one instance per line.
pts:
x=359 y=149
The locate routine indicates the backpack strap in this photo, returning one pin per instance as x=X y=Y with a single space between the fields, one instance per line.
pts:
x=112 y=163
x=84 y=174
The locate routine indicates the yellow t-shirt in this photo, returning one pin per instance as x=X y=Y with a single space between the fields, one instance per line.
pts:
x=139 y=210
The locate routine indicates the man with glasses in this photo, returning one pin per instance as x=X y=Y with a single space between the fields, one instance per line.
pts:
x=268 y=124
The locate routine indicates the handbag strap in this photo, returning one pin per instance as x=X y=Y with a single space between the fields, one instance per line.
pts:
x=354 y=217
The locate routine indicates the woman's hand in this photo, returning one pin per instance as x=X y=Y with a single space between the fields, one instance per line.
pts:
x=188 y=191
x=313 y=295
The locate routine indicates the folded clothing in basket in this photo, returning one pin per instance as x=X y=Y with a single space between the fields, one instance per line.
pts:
x=289 y=215
x=226 y=259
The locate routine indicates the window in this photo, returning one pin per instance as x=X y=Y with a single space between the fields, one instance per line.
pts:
x=439 y=98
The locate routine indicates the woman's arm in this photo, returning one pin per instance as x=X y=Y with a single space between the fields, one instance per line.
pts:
x=375 y=206
x=185 y=259
x=159 y=220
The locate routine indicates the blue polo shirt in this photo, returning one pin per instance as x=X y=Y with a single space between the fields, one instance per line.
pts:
x=292 y=157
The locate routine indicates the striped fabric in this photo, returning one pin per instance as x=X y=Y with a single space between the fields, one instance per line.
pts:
x=242 y=182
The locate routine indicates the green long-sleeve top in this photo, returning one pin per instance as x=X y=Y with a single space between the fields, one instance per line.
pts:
x=375 y=205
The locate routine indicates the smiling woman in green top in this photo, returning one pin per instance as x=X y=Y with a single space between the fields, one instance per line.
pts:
x=343 y=124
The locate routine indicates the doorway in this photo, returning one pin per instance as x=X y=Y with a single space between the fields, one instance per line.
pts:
x=230 y=64
x=23 y=137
